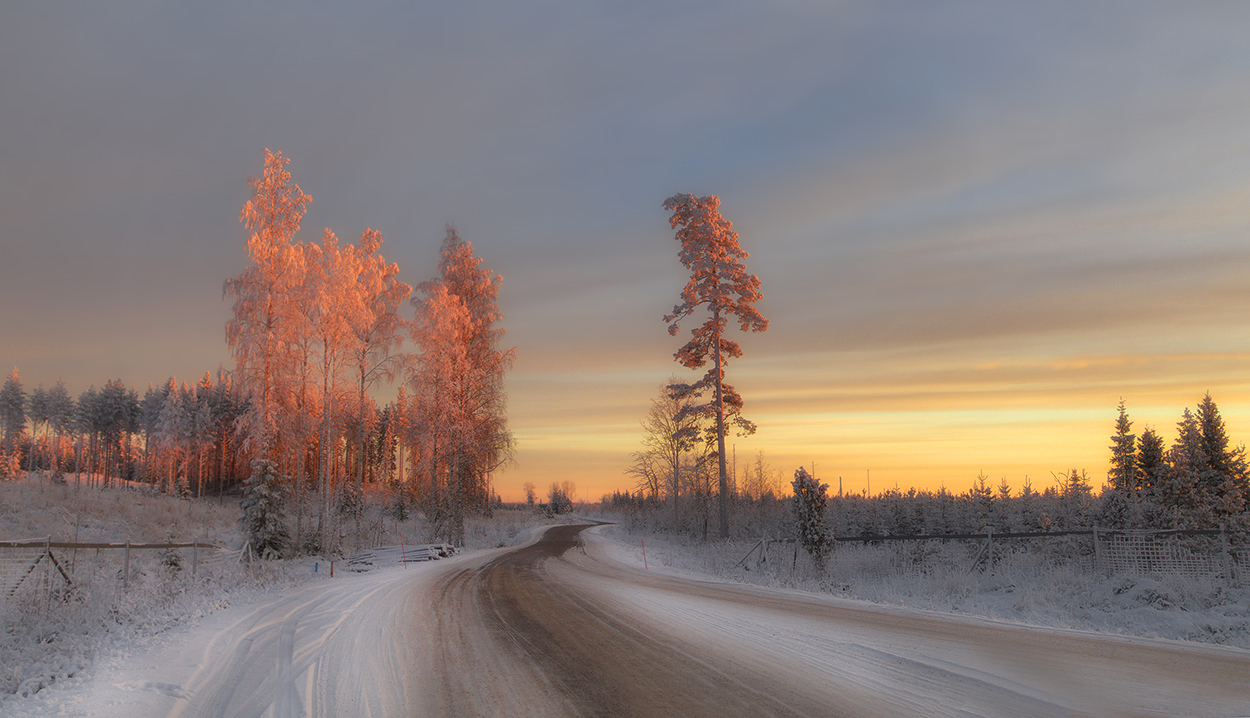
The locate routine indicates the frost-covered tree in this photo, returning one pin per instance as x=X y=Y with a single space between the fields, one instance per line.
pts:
x=457 y=380
x=1224 y=484
x=37 y=412
x=203 y=430
x=262 y=518
x=669 y=430
x=1122 y=475
x=808 y=506
x=259 y=333
x=559 y=501
x=12 y=412
x=60 y=419
x=760 y=480
x=336 y=302
x=149 y=422
x=1151 y=465
x=648 y=478
x=174 y=432
x=982 y=497
x=377 y=330
x=1184 y=490
x=531 y=493
x=720 y=284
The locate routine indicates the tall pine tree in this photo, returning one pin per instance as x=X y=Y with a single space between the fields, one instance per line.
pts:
x=720 y=284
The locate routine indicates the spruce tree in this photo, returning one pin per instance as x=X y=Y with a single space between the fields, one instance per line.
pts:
x=262 y=518
x=1183 y=491
x=12 y=412
x=1225 y=484
x=1122 y=475
x=1214 y=437
x=1151 y=469
x=808 y=505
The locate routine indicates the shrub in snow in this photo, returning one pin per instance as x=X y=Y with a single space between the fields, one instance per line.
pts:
x=262 y=510
x=808 y=505
x=560 y=501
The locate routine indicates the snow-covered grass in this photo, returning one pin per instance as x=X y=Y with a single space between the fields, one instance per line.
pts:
x=50 y=631
x=48 y=636
x=1043 y=584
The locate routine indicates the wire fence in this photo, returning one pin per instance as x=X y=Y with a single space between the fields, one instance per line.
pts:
x=1213 y=553
x=30 y=562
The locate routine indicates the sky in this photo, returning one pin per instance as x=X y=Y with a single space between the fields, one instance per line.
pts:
x=978 y=225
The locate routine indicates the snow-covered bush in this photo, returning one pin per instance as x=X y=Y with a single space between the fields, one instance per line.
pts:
x=808 y=504
x=262 y=518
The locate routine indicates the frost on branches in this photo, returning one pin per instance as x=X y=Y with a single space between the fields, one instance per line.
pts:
x=262 y=510
x=808 y=504
x=459 y=405
x=718 y=282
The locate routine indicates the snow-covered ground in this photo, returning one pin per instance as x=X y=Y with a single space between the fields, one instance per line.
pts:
x=1019 y=590
x=54 y=652
x=460 y=636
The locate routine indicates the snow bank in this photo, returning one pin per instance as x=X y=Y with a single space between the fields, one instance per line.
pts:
x=1021 y=588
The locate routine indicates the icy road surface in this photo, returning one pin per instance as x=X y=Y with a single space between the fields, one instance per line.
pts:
x=553 y=628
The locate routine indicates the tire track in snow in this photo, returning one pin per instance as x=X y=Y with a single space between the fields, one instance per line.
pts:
x=553 y=629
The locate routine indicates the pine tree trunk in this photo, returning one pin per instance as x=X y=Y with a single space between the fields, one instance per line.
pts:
x=720 y=435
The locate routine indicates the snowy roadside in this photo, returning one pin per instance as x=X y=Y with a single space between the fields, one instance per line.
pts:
x=55 y=638
x=142 y=669
x=134 y=671
x=1197 y=610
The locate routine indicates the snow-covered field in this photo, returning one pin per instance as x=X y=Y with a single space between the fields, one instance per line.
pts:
x=372 y=644
x=1021 y=589
x=52 y=647
x=106 y=651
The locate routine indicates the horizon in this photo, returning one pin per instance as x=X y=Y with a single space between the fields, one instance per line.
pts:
x=977 y=228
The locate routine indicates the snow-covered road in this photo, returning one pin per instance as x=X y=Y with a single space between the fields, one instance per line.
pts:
x=555 y=628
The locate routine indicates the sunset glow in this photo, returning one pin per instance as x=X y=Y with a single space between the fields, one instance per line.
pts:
x=977 y=229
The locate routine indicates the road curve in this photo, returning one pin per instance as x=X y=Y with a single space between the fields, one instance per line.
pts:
x=553 y=628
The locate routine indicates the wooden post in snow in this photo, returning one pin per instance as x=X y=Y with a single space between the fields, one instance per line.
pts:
x=1098 y=562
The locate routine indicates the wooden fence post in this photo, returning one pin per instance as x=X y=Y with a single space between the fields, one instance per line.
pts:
x=195 y=557
x=1098 y=560
x=989 y=546
x=1228 y=565
x=47 y=575
x=126 y=570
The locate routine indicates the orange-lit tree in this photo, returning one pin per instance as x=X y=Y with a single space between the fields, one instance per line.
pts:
x=259 y=333
x=457 y=380
x=332 y=278
x=376 y=329
x=720 y=284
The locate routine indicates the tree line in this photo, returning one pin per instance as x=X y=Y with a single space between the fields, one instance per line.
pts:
x=316 y=328
x=1200 y=482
